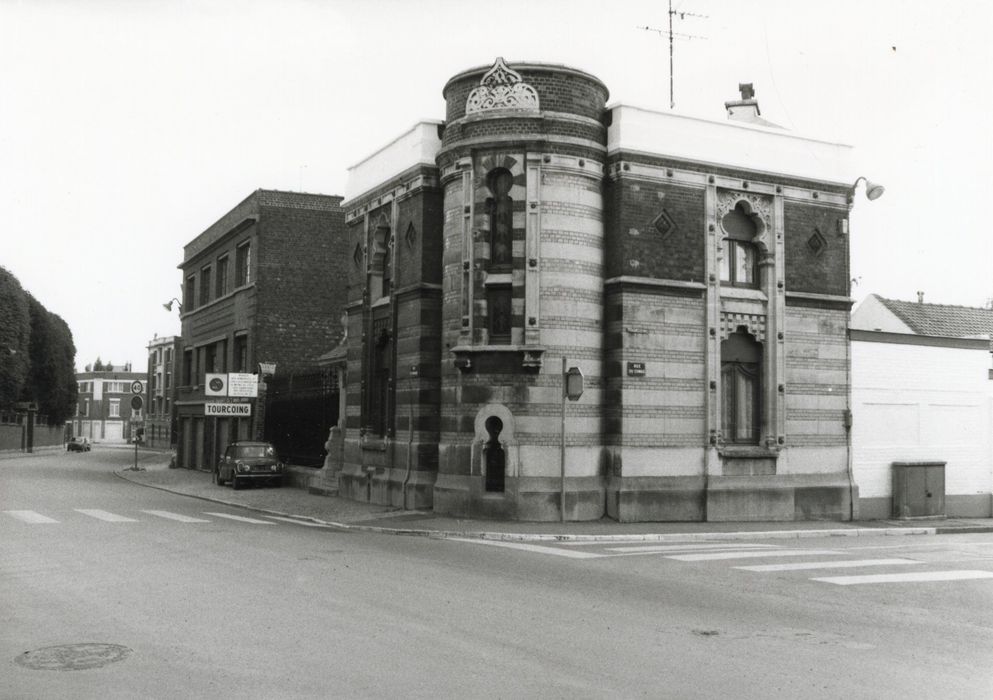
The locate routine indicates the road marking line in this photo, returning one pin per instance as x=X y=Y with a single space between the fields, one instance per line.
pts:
x=906 y=578
x=175 y=516
x=297 y=522
x=538 y=549
x=690 y=547
x=240 y=519
x=104 y=515
x=713 y=556
x=848 y=564
x=30 y=516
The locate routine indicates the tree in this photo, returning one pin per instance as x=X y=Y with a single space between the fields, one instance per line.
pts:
x=51 y=377
x=15 y=331
x=98 y=365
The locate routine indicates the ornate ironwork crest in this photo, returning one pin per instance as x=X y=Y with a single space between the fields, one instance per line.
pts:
x=501 y=88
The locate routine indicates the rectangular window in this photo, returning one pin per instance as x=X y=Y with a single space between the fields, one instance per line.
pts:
x=189 y=293
x=210 y=358
x=240 y=358
x=188 y=368
x=86 y=407
x=222 y=276
x=738 y=264
x=204 y=285
x=243 y=263
x=168 y=355
x=498 y=300
x=115 y=408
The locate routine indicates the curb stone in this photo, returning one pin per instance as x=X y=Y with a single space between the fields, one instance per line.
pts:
x=551 y=538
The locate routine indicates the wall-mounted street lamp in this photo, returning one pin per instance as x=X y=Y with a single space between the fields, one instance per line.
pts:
x=168 y=305
x=873 y=190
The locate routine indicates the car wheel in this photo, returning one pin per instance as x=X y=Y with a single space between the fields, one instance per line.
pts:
x=216 y=476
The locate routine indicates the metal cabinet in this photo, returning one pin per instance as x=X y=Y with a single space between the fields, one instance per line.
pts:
x=918 y=489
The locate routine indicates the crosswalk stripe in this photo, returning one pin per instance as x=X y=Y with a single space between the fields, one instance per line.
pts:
x=689 y=547
x=569 y=553
x=240 y=519
x=175 y=516
x=30 y=516
x=847 y=564
x=104 y=515
x=714 y=556
x=910 y=577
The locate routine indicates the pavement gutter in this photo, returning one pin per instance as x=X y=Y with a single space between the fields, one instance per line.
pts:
x=568 y=537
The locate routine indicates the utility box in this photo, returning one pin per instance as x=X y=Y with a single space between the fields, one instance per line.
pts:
x=918 y=490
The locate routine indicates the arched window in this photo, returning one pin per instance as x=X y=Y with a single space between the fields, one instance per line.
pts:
x=739 y=265
x=741 y=384
x=496 y=458
x=380 y=263
x=500 y=207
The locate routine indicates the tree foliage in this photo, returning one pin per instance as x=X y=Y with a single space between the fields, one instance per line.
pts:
x=37 y=354
x=15 y=331
x=51 y=377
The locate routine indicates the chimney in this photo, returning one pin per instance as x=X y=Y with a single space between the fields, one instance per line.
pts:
x=920 y=297
x=747 y=108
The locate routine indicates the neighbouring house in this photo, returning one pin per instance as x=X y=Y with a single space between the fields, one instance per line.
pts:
x=263 y=294
x=695 y=272
x=104 y=411
x=160 y=413
x=922 y=402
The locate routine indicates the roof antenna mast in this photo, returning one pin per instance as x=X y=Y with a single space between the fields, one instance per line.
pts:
x=672 y=36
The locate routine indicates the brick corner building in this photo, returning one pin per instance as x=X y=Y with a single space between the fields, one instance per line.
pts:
x=261 y=285
x=696 y=271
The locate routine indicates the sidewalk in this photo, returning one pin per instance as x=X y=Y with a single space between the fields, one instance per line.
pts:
x=353 y=515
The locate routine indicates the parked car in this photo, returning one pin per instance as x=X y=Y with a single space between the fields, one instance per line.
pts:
x=78 y=444
x=246 y=462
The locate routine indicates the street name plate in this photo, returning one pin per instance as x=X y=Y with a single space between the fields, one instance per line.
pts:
x=243 y=385
x=227 y=409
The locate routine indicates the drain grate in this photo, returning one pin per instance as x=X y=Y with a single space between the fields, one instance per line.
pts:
x=73 y=657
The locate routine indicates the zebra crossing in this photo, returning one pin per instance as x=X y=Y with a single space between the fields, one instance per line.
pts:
x=31 y=517
x=817 y=560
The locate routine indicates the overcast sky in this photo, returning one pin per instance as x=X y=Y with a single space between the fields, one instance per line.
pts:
x=127 y=128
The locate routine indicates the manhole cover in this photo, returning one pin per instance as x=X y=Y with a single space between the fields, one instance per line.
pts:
x=73 y=657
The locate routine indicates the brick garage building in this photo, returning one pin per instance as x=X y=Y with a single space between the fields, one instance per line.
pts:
x=696 y=271
x=103 y=405
x=263 y=284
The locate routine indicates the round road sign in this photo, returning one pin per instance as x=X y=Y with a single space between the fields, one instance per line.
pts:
x=136 y=386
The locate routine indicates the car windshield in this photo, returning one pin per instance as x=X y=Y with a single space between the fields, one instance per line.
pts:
x=252 y=451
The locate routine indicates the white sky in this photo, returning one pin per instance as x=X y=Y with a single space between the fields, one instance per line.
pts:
x=127 y=128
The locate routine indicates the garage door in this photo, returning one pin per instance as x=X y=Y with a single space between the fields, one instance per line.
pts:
x=113 y=432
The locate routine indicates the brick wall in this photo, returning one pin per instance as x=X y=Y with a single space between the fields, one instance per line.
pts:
x=637 y=247
x=817 y=258
x=302 y=258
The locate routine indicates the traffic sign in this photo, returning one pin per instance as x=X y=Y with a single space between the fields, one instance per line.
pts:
x=136 y=386
x=573 y=383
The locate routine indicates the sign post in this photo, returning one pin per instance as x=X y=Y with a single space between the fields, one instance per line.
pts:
x=136 y=404
x=572 y=389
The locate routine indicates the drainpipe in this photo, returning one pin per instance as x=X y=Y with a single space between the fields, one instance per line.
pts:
x=848 y=429
x=410 y=440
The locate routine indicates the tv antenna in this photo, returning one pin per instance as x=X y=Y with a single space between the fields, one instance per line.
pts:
x=672 y=36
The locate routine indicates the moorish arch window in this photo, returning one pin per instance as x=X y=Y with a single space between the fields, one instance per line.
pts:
x=380 y=259
x=739 y=266
x=741 y=388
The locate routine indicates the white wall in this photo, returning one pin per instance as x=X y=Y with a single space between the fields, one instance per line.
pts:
x=729 y=143
x=914 y=403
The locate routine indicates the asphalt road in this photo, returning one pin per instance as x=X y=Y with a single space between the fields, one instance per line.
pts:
x=194 y=603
